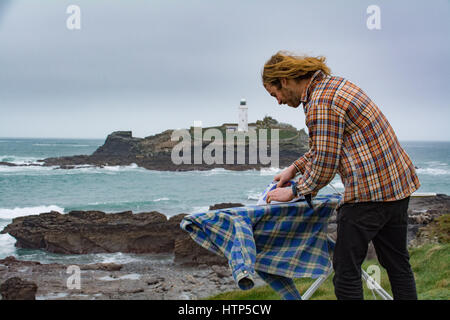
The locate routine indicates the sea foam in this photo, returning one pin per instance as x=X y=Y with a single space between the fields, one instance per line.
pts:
x=253 y=196
x=7 y=214
x=122 y=168
x=272 y=171
x=433 y=171
x=55 y=170
x=19 y=160
x=161 y=199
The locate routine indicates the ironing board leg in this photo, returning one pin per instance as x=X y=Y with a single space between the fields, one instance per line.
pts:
x=377 y=288
x=315 y=285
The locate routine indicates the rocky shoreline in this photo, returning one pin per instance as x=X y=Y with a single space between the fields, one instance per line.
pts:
x=155 y=279
x=176 y=268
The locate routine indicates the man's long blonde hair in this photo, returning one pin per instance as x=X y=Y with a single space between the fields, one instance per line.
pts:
x=287 y=65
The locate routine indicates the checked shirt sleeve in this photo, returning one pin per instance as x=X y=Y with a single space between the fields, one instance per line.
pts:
x=326 y=127
x=302 y=161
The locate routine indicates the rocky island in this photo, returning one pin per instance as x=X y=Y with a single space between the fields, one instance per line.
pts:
x=155 y=152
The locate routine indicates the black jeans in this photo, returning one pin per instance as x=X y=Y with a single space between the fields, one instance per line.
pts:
x=385 y=224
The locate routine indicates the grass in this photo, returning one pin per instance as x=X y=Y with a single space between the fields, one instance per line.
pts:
x=430 y=264
x=439 y=229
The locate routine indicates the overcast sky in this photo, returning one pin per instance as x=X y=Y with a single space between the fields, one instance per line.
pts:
x=148 y=66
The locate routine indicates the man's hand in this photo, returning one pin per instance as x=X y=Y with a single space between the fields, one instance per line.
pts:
x=280 y=194
x=286 y=175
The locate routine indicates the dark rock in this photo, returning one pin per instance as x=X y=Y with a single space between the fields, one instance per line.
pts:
x=80 y=232
x=221 y=271
x=18 y=289
x=154 y=280
x=102 y=266
x=225 y=205
x=67 y=167
x=424 y=210
x=9 y=164
x=118 y=144
x=189 y=253
x=437 y=231
x=10 y=261
x=412 y=232
x=440 y=202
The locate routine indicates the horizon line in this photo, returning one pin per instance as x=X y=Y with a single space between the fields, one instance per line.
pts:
x=95 y=138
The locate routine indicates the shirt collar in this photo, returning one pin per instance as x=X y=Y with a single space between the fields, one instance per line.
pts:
x=316 y=77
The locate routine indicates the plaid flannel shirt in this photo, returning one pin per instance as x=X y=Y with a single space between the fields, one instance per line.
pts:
x=350 y=136
x=279 y=242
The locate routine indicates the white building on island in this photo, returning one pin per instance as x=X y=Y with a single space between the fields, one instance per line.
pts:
x=242 y=125
x=243 y=116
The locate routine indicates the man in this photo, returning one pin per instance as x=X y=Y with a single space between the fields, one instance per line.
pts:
x=350 y=136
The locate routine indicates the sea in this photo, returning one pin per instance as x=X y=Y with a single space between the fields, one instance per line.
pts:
x=31 y=190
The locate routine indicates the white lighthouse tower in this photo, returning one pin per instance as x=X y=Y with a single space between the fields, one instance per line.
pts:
x=243 y=116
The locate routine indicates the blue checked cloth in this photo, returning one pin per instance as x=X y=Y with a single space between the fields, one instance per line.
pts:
x=279 y=241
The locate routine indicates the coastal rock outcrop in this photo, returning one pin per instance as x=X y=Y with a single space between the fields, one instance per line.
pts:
x=155 y=152
x=16 y=288
x=187 y=252
x=225 y=205
x=79 y=232
x=82 y=232
x=424 y=210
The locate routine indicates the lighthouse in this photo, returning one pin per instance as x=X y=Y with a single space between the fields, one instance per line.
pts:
x=243 y=116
